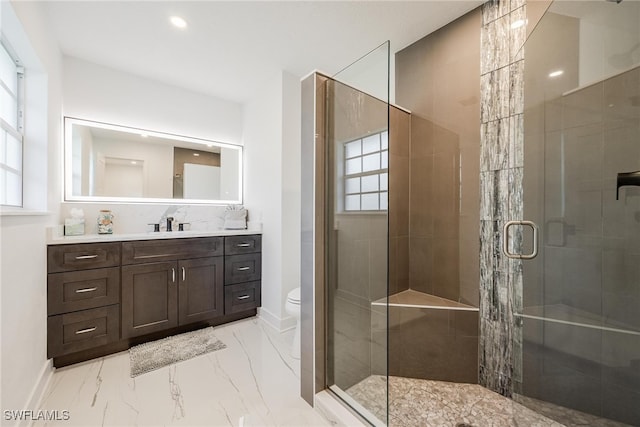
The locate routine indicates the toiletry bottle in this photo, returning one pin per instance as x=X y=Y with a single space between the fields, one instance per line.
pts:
x=105 y=222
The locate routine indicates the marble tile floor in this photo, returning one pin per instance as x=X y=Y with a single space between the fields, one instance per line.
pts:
x=252 y=382
x=415 y=402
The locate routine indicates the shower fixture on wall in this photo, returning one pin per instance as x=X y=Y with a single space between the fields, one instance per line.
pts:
x=627 y=178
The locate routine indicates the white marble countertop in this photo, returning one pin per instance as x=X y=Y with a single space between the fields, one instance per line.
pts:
x=55 y=237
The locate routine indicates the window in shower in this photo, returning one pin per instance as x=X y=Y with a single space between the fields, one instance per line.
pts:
x=366 y=177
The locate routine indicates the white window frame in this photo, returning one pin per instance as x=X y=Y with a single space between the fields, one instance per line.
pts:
x=380 y=173
x=15 y=132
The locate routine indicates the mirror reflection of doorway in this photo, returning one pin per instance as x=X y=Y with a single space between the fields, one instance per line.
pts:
x=196 y=174
x=123 y=177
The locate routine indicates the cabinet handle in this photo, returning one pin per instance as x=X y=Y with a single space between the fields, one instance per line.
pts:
x=84 y=331
x=184 y=275
x=81 y=291
x=243 y=245
x=173 y=274
x=244 y=268
x=244 y=297
x=87 y=257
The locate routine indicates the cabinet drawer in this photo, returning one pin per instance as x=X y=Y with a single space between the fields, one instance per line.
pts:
x=242 y=268
x=241 y=297
x=82 y=257
x=170 y=250
x=80 y=290
x=81 y=330
x=234 y=245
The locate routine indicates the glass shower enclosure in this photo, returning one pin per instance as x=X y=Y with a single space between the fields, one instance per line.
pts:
x=357 y=189
x=580 y=312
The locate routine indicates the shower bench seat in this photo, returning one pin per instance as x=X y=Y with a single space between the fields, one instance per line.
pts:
x=415 y=299
x=429 y=337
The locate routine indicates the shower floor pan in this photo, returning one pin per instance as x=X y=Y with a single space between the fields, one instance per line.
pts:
x=414 y=402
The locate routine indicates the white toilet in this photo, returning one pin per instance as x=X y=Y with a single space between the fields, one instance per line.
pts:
x=292 y=307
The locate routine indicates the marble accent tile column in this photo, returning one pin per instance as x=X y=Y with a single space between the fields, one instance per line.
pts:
x=501 y=172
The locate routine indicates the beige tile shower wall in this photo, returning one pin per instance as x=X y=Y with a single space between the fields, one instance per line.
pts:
x=437 y=79
x=399 y=135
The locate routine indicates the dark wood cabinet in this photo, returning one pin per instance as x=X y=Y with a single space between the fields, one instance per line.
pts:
x=237 y=245
x=242 y=273
x=201 y=289
x=105 y=297
x=187 y=287
x=83 y=297
x=149 y=298
x=241 y=297
x=83 y=289
x=144 y=251
x=82 y=256
x=81 y=330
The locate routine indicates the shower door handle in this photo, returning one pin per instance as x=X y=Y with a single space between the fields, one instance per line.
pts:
x=505 y=240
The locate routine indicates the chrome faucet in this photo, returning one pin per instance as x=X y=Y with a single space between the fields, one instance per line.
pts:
x=169 y=223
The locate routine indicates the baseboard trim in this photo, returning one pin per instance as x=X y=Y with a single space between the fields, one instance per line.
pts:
x=37 y=393
x=277 y=323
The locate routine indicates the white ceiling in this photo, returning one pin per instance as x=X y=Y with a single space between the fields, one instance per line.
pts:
x=231 y=47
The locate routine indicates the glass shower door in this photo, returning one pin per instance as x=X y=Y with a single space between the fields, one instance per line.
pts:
x=580 y=308
x=357 y=227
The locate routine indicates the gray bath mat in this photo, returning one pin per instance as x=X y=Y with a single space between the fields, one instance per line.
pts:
x=156 y=354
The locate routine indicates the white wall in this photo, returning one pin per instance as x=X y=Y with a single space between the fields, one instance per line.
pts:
x=94 y=92
x=23 y=313
x=291 y=184
x=272 y=155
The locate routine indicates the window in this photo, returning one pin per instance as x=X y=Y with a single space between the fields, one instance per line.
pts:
x=366 y=176
x=11 y=128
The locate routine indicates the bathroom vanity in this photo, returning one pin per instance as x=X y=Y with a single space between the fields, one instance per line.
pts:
x=108 y=293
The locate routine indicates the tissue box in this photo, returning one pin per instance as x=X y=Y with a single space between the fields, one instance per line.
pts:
x=235 y=218
x=73 y=227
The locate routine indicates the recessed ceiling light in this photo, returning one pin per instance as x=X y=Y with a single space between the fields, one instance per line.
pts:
x=133 y=162
x=144 y=135
x=196 y=154
x=178 y=22
x=556 y=73
x=517 y=24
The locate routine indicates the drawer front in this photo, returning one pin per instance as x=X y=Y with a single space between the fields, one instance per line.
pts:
x=82 y=330
x=242 y=268
x=241 y=297
x=235 y=245
x=82 y=256
x=80 y=290
x=145 y=251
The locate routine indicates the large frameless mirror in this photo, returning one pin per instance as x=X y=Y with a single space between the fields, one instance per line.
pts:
x=111 y=163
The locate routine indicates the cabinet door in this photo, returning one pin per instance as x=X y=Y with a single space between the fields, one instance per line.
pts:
x=201 y=289
x=149 y=298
